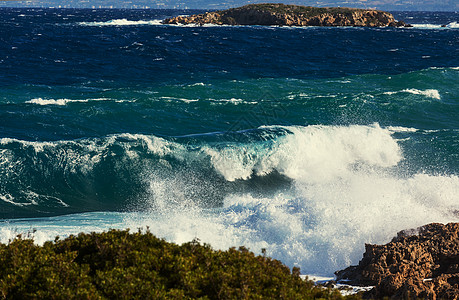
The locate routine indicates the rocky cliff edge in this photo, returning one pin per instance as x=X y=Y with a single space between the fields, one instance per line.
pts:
x=420 y=263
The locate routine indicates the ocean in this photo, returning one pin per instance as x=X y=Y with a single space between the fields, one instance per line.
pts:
x=306 y=142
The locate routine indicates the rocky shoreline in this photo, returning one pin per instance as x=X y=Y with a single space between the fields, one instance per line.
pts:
x=420 y=263
x=292 y=15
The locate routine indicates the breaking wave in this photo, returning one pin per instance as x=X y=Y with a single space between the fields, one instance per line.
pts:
x=122 y=22
x=62 y=102
x=311 y=196
x=430 y=93
x=451 y=25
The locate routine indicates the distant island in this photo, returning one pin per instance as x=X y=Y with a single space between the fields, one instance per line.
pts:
x=292 y=15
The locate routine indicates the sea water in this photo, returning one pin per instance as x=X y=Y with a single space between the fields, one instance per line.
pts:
x=306 y=142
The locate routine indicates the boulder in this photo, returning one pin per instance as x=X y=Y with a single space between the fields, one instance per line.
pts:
x=419 y=263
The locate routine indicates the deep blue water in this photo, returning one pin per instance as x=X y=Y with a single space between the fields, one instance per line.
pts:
x=308 y=142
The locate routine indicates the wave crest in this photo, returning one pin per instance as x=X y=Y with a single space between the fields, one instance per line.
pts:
x=122 y=22
x=313 y=153
x=452 y=25
x=430 y=93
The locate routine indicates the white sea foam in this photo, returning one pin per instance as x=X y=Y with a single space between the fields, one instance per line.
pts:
x=426 y=26
x=198 y=84
x=430 y=93
x=401 y=129
x=4 y=157
x=154 y=144
x=62 y=102
x=35 y=198
x=322 y=227
x=9 y=199
x=122 y=22
x=38 y=146
x=235 y=101
x=345 y=289
x=170 y=99
x=41 y=101
x=452 y=25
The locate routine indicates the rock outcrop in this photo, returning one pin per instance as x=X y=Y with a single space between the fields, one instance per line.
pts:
x=421 y=263
x=292 y=15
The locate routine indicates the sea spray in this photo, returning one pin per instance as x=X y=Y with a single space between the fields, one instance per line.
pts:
x=323 y=222
x=337 y=188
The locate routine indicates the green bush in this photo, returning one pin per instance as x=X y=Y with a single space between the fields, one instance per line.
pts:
x=123 y=265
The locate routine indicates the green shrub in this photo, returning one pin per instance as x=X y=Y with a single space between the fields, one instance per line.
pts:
x=123 y=265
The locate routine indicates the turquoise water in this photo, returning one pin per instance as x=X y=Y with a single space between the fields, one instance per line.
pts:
x=308 y=142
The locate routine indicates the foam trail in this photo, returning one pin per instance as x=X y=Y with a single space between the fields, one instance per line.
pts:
x=61 y=102
x=452 y=25
x=430 y=93
x=122 y=22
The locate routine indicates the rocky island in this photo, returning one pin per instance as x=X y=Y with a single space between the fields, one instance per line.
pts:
x=292 y=15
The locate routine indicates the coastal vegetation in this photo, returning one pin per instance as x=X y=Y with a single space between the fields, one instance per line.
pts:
x=123 y=265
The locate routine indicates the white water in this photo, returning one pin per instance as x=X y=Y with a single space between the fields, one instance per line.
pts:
x=346 y=191
x=122 y=22
x=429 y=93
x=452 y=25
x=63 y=102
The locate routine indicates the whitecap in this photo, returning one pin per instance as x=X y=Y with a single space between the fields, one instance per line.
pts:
x=62 y=102
x=235 y=101
x=426 y=26
x=38 y=146
x=198 y=84
x=452 y=25
x=122 y=22
x=401 y=129
x=430 y=93
x=170 y=99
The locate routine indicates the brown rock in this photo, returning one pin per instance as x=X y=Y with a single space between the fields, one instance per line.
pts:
x=421 y=263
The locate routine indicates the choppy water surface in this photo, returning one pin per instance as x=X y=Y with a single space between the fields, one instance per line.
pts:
x=308 y=142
